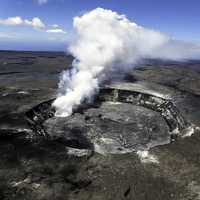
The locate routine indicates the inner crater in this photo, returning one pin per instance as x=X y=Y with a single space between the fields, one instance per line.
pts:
x=121 y=119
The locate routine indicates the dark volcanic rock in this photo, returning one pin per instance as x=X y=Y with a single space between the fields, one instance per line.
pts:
x=163 y=100
x=111 y=128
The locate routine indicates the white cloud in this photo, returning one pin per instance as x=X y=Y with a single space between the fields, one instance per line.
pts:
x=14 y=21
x=35 y=22
x=58 y=30
x=42 y=1
x=55 y=26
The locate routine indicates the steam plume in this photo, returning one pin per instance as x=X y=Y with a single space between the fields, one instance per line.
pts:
x=105 y=42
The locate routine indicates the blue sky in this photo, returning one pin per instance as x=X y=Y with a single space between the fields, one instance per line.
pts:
x=47 y=24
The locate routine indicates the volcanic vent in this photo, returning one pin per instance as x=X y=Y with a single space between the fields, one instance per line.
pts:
x=123 y=117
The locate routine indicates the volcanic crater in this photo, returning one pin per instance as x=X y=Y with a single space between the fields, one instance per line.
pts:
x=122 y=117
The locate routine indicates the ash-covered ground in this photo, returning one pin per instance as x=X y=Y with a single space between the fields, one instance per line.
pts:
x=100 y=152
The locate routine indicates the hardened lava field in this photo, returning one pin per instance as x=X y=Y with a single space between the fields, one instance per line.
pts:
x=80 y=157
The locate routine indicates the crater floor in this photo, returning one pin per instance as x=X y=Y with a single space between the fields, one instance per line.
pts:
x=162 y=108
x=111 y=128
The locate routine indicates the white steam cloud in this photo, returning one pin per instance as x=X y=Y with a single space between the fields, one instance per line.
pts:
x=105 y=42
